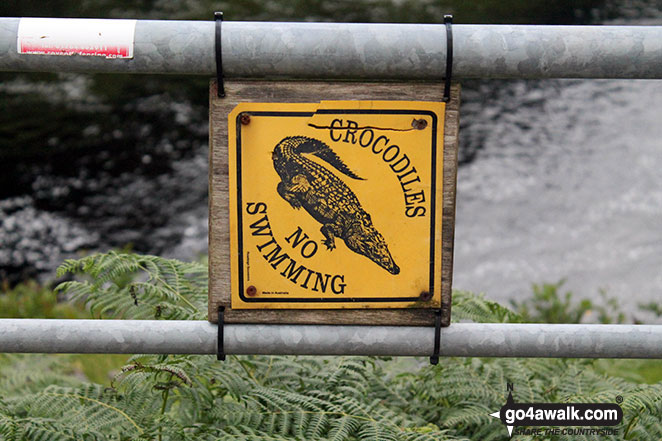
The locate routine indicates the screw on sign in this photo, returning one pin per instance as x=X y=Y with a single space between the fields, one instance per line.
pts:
x=419 y=124
x=425 y=296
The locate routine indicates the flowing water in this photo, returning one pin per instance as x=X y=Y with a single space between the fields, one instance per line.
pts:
x=567 y=184
x=559 y=179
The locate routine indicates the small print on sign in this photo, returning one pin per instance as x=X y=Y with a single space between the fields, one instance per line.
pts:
x=336 y=204
x=74 y=36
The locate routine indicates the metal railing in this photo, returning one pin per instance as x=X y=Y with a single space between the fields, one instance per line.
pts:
x=352 y=51
x=367 y=51
x=459 y=339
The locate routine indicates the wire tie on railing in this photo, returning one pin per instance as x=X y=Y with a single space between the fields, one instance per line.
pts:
x=448 y=21
x=218 y=19
x=220 y=350
x=434 y=358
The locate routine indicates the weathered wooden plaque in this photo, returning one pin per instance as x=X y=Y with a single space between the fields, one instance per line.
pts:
x=334 y=210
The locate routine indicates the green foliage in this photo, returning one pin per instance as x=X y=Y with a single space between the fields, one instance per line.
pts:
x=549 y=306
x=131 y=286
x=195 y=397
x=638 y=371
x=31 y=300
x=286 y=398
x=475 y=307
x=653 y=307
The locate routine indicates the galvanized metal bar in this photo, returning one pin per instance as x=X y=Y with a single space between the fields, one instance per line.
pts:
x=367 y=51
x=460 y=339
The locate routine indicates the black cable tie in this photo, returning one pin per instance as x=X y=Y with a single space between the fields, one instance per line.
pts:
x=434 y=358
x=448 y=21
x=218 y=19
x=220 y=351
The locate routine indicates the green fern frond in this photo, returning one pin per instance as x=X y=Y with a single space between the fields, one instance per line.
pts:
x=475 y=307
x=429 y=433
x=138 y=286
x=494 y=431
x=88 y=412
x=645 y=396
x=287 y=400
x=11 y=427
x=170 y=369
x=343 y=428
x=642 y=426
x=30 y=373
x=374 y=430
x=37 y=429
x=247 y=433
x=468 y=413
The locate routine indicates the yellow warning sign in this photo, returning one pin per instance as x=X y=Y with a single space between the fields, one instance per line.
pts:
x=336 y=204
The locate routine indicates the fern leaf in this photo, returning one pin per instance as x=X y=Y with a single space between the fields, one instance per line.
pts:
x=468 y=306
x=135 y=286
x=343 y=428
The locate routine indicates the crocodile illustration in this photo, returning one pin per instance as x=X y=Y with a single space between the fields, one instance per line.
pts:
x=305 y=183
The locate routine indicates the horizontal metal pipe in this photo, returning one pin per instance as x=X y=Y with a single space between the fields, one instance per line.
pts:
x=367 y=51
x=460 y=339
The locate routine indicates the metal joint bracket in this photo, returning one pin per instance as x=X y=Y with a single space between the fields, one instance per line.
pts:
x=434 y=358
x=218 y=19
x=220 y=350
x=448 y=21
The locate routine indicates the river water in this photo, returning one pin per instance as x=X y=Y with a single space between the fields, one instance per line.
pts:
x=559 y=179
x=567 y=184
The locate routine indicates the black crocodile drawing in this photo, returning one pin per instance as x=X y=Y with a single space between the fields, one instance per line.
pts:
x=305 y=183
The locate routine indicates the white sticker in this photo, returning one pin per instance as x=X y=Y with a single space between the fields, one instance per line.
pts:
x=76 y=36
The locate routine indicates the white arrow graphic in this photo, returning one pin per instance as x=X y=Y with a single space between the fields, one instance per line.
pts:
x=497 y=414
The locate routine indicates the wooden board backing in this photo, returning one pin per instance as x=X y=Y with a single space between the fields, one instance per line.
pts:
x=304 y=92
